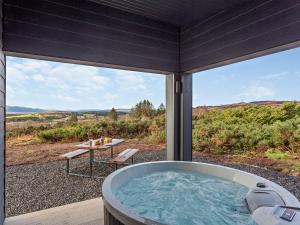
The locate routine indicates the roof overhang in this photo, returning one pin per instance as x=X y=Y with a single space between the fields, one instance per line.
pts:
x=150 y=35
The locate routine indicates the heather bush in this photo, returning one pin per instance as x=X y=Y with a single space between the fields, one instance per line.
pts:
x=241 y=129
x=80 y=132
x=157 y=131
x=231 y=130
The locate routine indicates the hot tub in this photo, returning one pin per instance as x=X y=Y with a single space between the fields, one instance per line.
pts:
x=176 y=192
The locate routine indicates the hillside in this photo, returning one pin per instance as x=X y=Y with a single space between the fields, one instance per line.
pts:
x=196 y=110
x=203 y=109
x=27 y=110
x=20 y=109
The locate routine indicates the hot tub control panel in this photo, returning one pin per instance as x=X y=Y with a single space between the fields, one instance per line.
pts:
x=288 y=214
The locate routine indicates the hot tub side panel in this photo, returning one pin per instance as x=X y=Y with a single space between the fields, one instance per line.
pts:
x=109 y=219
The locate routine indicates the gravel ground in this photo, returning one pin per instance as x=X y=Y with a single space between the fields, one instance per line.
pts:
x=39 y=186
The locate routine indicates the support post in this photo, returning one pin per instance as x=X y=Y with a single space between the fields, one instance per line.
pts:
x=186 y=117
x=179 y=116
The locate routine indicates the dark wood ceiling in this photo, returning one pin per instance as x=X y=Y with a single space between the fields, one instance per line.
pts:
x=177 y=12
x=195 y=35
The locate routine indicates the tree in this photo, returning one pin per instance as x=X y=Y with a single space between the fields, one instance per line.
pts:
x=113 y=114
x=73 y=118
x=143 y=109
x=161 y=109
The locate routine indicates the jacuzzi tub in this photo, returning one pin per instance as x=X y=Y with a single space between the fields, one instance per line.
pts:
x=262 y=199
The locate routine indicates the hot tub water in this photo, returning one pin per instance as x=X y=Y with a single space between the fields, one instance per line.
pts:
x=179 y=197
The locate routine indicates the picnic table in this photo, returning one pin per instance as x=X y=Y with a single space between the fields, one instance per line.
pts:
x=92 y=148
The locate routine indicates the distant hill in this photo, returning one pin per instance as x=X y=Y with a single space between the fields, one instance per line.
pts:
x=202 y=109
x=102 y=112
x=197 y=110
x=20 y=109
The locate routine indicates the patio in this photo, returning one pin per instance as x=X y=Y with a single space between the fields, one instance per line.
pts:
x=89 y=212
x=175 y=39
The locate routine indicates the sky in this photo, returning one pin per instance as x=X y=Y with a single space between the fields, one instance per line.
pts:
x=271 y=77
x=52 y=85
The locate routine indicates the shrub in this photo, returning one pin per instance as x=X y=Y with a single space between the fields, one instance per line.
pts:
x=113 y=115
x=80 y=132
x=277 y=154
x=157 y=131
x=240 y=129
x=220 y=131
x=30 y=130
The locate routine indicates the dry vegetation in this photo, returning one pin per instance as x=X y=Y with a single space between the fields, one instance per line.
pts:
x=263 y=135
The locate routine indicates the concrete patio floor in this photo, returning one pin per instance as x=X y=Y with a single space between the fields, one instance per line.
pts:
x=88 y=212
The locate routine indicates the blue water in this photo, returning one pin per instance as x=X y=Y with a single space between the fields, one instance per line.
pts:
x=186 y=198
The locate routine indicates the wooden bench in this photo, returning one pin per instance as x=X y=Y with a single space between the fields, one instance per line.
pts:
x=122 y=157
x=71 y=155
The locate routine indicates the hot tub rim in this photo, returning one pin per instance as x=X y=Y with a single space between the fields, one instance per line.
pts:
x=126 y=216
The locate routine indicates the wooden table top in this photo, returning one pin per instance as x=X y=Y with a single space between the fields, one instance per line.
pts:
x=86 y=145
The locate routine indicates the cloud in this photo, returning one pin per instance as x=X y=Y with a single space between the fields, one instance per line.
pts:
x=263 y=87
x=15 y=74
x=34 y=65
x=57 y=75
x=65 y=98
x=14 y=92
x=38 y=77
x=274 y=76
x=108 y=100
x=131 y=80
x=11 y=92
x=258 y=92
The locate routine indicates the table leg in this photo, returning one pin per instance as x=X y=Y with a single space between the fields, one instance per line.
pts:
x=68 y=166
x=111 y=152
x=91 y=162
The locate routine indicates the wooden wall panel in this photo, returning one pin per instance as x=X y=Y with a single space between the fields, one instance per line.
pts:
x=243 y=32
x=2 y=143
x=89 y=32
x=2 y=124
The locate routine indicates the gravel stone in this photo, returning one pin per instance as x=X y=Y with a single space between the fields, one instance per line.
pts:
x=40 y=186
